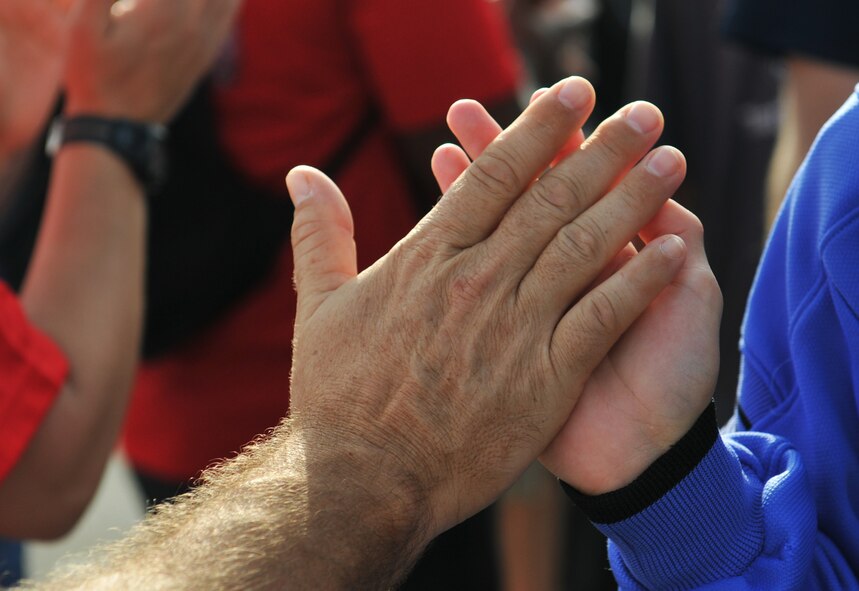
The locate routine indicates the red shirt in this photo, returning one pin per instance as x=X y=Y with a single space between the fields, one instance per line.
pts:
x=301 y=75
x=32 y=372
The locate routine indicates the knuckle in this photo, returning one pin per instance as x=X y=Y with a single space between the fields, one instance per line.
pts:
x=469 y=289
x=613 y=145
x=304 y=232
x=601 y=311
x=578 y=188
x=630 y=197
x=581 y=241
x=416 y=257
x=612 y=149
x=496 y=172
x=559 y=195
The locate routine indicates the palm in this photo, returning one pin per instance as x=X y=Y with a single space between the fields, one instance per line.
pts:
x=32 y=44
x=649 y=390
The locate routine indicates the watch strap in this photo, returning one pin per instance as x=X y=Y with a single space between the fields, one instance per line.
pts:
x=140 y=145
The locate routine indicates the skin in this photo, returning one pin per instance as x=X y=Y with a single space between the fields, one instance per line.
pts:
x=418 y=147
x=424 y=386
x=35 y=35
x=660 y=376
x=85 y=284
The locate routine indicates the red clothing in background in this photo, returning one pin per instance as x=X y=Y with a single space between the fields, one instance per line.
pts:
x=299 y=78
x=32 y=372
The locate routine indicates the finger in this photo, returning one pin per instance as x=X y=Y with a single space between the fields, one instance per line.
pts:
x=448 y=163
x=150 y=15
x=217 y=18
x=673 y=218
x=576 y=140
x=473 y=126
x=474 y=207
x=590 y=329
x=537 y=94
x=122 y=8
x=574 y=185
x=615 y=265
x=696 y=276
x=323 y=244
x=582 y=248
x=92 y=15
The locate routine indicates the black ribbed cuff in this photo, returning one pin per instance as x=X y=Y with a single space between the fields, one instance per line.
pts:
x=662 y=475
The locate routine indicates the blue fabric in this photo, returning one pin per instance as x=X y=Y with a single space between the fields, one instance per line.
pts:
x=777 y=507
x=10 y=563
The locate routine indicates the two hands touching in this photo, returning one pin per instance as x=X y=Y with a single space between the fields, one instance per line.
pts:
x=516 y=320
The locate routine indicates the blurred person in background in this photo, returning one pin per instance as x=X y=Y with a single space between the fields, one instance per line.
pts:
x=69 y=346
x=358 y=89
x=820 y=49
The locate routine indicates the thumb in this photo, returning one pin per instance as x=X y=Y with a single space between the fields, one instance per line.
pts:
x=323 y=244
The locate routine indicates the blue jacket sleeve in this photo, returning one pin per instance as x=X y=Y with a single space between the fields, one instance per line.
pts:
x=720 y=512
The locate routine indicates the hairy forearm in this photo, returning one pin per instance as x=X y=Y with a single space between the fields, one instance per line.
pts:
x=84 y=289
x=291 y=512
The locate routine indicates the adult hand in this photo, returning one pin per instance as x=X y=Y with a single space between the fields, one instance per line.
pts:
x=140 y=59
x=657 y=380
x=454 y=360
x=33 y=37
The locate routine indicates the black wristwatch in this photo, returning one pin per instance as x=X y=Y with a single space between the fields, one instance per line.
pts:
x=140 y=145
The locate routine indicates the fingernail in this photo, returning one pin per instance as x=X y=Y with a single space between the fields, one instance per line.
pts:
x=663 y=162
x=673 y=247
x=299 y=188
x=575 y=93
x=643 y=117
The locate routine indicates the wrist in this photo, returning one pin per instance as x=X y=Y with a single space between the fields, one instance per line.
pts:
x=140 y=146
x=666 y=472
x=77 y=104
x=368 y=472
x=382 y=505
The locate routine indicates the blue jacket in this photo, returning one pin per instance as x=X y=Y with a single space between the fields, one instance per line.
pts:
x=773 y=502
